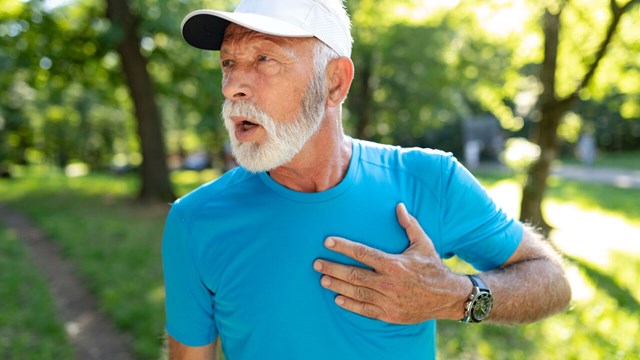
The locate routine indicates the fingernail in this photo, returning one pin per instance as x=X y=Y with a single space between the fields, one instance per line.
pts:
x=325 y=281
x=339 y=301
x=330 y=242
x=317 y=265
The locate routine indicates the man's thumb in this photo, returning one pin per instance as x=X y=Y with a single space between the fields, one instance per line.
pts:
x=417 y=237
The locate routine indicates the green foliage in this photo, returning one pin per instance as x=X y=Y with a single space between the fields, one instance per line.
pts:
x=66 y=100
x=613 y=131
x=421 y=68
x=423 y=74
x=29 y=328
x=62 y=100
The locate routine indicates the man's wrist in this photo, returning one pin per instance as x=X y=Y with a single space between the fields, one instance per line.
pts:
x=480 y=303
x=460 y=296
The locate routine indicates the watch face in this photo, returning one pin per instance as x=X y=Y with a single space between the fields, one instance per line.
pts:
x=482 y=307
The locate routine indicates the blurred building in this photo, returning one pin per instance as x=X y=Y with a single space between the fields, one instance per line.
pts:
x=482 y=138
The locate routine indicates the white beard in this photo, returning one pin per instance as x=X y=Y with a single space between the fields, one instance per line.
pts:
x=283 y=139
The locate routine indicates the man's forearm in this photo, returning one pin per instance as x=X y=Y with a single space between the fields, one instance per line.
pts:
x=530 y=288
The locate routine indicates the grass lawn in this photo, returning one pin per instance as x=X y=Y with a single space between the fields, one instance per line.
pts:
x=625 y=160
x=29 y=329
x=115 y=243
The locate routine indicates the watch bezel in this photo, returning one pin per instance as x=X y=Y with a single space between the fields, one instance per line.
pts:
x=484 y=298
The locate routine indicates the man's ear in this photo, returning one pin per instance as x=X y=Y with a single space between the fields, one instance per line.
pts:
x=339 y=76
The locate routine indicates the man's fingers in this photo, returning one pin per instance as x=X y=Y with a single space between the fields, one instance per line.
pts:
x=350 y=274
x=359 y=293
x=359 y=307
x=360 y=252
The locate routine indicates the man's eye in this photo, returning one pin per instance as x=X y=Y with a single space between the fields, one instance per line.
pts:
x=226 y=63
x=262 y=58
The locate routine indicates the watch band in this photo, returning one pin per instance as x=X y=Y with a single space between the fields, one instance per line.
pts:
x=477 y=282
x=480 y=294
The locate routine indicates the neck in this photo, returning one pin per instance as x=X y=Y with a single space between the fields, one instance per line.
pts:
x=321 y=164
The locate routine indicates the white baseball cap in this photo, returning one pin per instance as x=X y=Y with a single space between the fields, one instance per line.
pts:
x=205 y=28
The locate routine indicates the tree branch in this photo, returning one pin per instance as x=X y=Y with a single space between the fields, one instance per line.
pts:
x=629 y=5
x=616 y=15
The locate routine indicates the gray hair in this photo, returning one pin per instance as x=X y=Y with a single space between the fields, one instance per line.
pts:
x=322 y=56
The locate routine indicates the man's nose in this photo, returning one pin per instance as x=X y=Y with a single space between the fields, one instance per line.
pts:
x=237 y=84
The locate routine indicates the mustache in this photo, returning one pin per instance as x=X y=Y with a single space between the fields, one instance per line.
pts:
x=245 y=109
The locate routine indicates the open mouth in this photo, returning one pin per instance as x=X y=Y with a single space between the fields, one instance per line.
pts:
x=247 y=130
x=248 y=125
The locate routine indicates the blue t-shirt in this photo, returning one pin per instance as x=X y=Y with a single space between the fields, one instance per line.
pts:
x=238 y=254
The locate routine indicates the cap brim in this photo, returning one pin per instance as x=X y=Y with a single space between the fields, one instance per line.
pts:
x=205 y=28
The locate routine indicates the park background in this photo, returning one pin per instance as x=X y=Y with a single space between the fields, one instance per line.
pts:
x=106 y=115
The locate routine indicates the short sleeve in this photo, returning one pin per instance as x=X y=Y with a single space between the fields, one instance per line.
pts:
x=474 y=228
x=189 y=304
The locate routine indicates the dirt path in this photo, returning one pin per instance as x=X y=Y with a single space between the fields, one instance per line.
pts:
x=90 y=332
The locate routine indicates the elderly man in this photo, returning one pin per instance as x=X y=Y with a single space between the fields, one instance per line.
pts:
x=321 y=246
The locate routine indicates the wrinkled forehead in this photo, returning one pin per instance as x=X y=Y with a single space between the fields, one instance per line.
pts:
x=235 y=34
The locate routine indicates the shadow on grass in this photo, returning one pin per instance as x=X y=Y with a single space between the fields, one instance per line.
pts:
x=607 y=283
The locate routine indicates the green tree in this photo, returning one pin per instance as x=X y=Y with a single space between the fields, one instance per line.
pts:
x=69 y=99
x=553 y=104
x=62 y=98
x=154 y=173
x=419 y=72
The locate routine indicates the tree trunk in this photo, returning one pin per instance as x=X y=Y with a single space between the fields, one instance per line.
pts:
x=545 y=130
x=552 y=109
x=154 y=173
x=545 y=135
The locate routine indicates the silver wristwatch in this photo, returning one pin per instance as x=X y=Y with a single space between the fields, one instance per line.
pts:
x=480 y=302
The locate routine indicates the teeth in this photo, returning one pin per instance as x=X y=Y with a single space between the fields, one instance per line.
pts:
x=246 y=125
